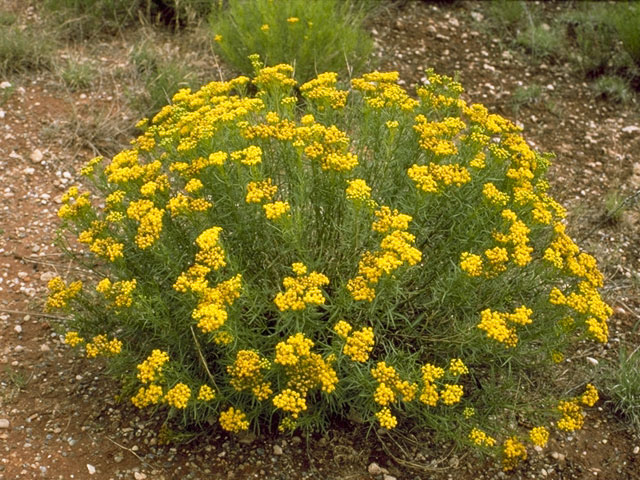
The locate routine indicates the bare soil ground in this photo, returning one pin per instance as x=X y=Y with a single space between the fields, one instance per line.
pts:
x=63 y=416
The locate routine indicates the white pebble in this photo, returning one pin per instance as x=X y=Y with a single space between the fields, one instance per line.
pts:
x=4 y=423
x=91 y=469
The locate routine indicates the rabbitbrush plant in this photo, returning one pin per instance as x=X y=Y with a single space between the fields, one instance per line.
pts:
x=269 y=258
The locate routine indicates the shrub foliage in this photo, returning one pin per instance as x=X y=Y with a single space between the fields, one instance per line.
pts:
x=266 y=259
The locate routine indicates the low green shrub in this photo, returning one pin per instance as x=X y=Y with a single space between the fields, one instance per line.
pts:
x=159 y=76
x=542 y=41
x=86 y=18
x=613 y=88
x=623 y=386
x=318 y=36
x=626 y=20
x=267 y=258
x=77 y=74
x=24 y=49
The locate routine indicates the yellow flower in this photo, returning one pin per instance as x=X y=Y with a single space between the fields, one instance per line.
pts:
x=275 y=210
x=178 y=396
x=293 y=20
x=539 y=436
x=233 y=420
x=206 y=393
x=386 y=418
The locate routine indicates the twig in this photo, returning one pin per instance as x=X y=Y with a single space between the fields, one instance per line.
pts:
x=35 y=314
x=202 y=359
x=128 y=450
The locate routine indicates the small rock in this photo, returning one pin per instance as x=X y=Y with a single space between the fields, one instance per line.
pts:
x=118 y=457
x=277 y=450
x=454 y=22
x=592 y=361
x=36 y=156
x=29 y=171
x=4 y=423
x=558 y=456
x=139 y=476
x=35 y=248
x=18 y=328
x=477 y=16
x=91 y=469
x=46 y=276
x=388 y=477
x=636 y=450
x=631 y=129
x=45 y=348
x=374 y=469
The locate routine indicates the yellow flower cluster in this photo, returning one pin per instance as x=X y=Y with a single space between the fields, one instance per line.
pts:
x=274 y=78
x=390 y=387
x=495 y=196
x=100 y=345
x=450 y=394
x=211 y=311
x=588 y=302
x=211 y=253
x=396 y=249
x=305 y=371
x=388 y=220
x=290 y=401
x=181 y=204
x=517 y=238
x=60 y=294
x=87 y=168
x=246 y=374
x=275 y=210
x=358 y=190
x=381 y=91
x=206 y=393
x=108 y=248
x=514 y=452
x=386 y=418
x=178 y=396
x=322 y=90
x=150 y=369
x=433 y=177
x=342 y=328
x=250 y=156
x=572 y=416
x=119 y=293
x=539 y=436
x=233 y=420
x=436 y=137
x=150 y=219
x=471 y=263
x=74 y=204
x=440 y=91
x=146 y=396
x=590 y=396
x=497 y=328
x=73 y=338
x=481 y=439
x=257 y=192
x=301 y=291
x=359 y=344
x=457 y=367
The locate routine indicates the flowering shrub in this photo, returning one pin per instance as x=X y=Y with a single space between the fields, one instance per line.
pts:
x=359 y=251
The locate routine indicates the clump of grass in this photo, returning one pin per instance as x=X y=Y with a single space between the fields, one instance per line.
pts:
x=508 y=15
x=624 y=386
x=24 y=49
x=324 y=35
x=85 y=18
x=159 y=76
x=542 y=41
x=525 y=96
x=613 y=88
x=625 y=18
x=77 y=74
